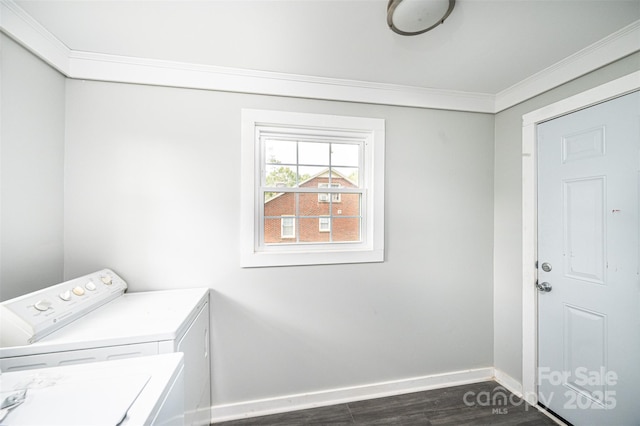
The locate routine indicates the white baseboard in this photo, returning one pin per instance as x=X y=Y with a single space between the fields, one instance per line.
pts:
x=515 y=387
x=287 y=403
x=508 y=382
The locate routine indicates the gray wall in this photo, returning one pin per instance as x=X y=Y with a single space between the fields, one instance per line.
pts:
x=508 y=212
x=31 y=172
x=152 y=190
x=151 y=181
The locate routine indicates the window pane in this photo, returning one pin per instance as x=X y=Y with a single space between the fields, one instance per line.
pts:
x=313 y=153
x=348 y=176
x=310 y=231
x=349 y=205
x=324 y=197
x=277 y=152
x=311 y=204
x=307 y=173
x=280 y=230
x=280 y=176
x=346 y=229
x=273 y=231
x=343 y=154
x=279 y=204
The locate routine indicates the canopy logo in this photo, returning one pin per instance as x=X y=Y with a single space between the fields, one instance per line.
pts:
x=499 y=399
x=582 y=389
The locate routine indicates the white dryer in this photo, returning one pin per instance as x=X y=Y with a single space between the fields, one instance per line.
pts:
x=91 y=318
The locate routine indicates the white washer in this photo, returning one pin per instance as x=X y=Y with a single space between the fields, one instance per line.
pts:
x=101 y=323
x=128 y=392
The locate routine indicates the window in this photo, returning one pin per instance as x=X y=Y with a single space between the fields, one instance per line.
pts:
x=324 y=197
x=288 y=227
x=297 y=169
x=324 y=224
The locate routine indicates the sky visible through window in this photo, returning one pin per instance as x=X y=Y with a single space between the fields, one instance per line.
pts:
x=307 y=159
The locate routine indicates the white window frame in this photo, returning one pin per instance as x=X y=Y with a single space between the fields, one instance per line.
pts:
x=282 y=233
x=371 y=131
x=327 y=221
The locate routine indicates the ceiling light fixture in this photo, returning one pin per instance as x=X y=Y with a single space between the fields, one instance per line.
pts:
x=413 y=17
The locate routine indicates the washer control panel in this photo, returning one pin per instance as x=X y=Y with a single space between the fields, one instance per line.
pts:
x=27 y=319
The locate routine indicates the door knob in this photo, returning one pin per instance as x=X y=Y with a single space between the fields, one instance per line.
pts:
x=544 y=287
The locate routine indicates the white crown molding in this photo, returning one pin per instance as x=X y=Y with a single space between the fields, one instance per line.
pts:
x=98 y=66
x=20 y=26
x=622 y=43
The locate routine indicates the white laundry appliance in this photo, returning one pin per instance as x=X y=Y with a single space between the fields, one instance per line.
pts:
x=128 y=392
x=91 y=319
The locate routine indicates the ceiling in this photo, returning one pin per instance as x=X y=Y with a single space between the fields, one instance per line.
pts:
x=485 y=46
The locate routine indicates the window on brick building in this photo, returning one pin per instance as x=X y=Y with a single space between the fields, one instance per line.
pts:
x=324 y=196
x=324 y=224
x=312 y=189
x=288 y=227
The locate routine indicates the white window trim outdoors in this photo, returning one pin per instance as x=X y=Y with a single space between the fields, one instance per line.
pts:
x=327 y=220
x=282 y=234
x=370 y=249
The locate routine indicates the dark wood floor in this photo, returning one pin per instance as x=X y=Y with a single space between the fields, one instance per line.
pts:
x=485 y=403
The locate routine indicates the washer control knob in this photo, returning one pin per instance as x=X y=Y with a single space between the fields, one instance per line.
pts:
x=78 y=291
x=90 y=286
x=65 y=295
x=106 y=279
x=42 y=305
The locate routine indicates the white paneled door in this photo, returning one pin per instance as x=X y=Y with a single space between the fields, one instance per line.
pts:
x=588 y=268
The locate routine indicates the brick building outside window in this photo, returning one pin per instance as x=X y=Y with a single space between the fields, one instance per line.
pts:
x=321 y=216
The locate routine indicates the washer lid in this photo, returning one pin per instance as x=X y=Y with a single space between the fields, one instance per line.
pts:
x=100 y=393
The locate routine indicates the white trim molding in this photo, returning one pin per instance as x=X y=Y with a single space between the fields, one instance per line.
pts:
x=262 y=407
x=365 y=134
x=98 y=66
x=515 y=387
x=19 y=25
x=610 y=90
x=288 y=403
x=623 y=42
x=508 y=382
